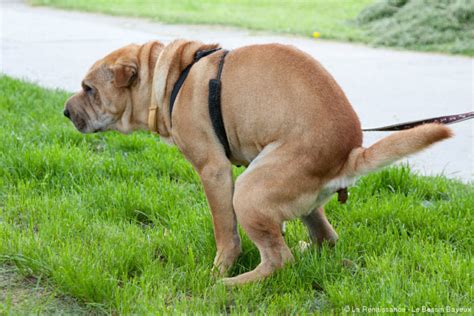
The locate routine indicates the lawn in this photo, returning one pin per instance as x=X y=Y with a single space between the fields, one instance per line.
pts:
x=332 y=18
x=120 y=224
x=440 y=26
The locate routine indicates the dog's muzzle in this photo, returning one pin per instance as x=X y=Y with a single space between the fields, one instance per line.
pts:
x=67 y=114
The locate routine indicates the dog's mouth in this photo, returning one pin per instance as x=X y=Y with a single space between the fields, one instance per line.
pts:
x=84 y=126
x=80 y=124
x=98 y=130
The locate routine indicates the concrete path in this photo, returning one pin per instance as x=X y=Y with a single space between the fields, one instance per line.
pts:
x=55 y=48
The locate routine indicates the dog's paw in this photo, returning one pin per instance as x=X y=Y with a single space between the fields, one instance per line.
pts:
x=224 y=260
x=303 y=246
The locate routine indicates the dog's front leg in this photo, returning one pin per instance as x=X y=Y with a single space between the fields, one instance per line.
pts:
x=216 y=177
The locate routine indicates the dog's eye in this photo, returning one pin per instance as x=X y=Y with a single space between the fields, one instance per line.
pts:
x=87 y=89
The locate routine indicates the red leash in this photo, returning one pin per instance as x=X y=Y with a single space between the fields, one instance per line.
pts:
x=450 y=119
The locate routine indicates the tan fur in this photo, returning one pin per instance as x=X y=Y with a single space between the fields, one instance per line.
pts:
x=394 y=147
x=121 y=82
x=286 y=119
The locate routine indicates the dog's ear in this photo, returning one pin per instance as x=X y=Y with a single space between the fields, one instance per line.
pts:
x=125 y=72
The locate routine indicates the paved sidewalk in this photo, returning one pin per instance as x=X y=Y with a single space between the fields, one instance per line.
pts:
x=55 y=48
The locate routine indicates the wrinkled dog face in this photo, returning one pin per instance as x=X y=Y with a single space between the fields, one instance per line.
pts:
x=106 y=94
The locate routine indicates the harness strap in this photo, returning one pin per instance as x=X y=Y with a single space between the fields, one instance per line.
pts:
x=184 y=74
x=215 y=112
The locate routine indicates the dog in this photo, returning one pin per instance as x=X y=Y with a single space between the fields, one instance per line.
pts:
x=286 y=120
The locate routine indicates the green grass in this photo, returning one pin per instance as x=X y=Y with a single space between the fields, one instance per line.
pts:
x=427 y=25
x=332 y=18
x=121 y=224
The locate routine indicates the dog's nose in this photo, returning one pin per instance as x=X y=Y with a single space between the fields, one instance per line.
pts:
x=66 y=113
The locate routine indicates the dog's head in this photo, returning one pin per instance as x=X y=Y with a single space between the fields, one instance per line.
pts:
x=116 y=91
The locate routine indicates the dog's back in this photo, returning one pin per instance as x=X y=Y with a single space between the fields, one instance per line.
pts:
x=277 y=93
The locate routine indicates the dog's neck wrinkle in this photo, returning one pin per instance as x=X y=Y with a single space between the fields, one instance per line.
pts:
x=163 y=128
x=163 y=116
x=140 y=106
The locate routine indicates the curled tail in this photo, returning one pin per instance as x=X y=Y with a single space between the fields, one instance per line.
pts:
x=394 y=147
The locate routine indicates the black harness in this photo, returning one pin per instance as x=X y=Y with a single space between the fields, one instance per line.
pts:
x=214 y=99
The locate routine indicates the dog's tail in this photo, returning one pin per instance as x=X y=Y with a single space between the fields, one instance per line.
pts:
x=394 y=147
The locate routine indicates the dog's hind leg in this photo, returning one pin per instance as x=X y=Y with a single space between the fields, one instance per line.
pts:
x=319 y=228
x=274 y=253
x=265 y=195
